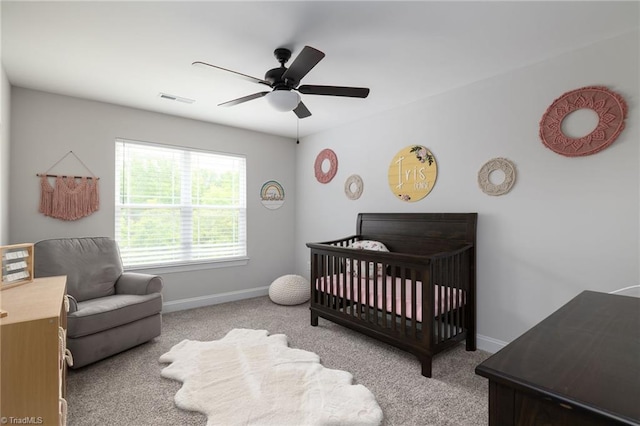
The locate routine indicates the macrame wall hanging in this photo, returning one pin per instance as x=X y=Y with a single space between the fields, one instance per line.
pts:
x=71 y=197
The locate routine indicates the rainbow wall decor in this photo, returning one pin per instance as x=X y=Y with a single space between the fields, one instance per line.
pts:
x=272 y=195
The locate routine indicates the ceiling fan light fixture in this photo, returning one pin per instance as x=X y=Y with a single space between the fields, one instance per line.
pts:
x=283 y=100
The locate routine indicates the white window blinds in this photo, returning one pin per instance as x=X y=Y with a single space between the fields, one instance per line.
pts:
x=178 y=206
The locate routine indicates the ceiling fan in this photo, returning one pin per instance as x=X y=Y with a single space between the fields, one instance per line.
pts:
x=284 y=82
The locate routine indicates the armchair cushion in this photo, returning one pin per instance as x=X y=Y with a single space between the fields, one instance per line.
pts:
x=92 y=265
x=101 y=314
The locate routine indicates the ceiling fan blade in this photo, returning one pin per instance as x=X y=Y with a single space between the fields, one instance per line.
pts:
x=352 y=92
x=302 y=111
x=243 y=99
x=304 y=62
x=244 y=76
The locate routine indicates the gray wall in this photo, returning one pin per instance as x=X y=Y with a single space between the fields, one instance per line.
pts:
x=569 y=224
x=5 y=108
x=45 y=127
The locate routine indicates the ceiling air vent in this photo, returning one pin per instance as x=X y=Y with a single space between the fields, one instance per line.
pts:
x=176 y=98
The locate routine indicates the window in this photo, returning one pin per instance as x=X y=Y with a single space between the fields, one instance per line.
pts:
x=177 y=206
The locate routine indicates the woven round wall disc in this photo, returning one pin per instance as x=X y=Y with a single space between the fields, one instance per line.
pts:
x=353 y=187
x=502 y=164
x=326 y=154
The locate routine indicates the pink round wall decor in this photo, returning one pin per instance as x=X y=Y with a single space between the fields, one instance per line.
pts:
x=326 y=154
x=610 y=107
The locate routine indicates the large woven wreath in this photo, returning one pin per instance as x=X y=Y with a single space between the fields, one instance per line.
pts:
x=610 y=107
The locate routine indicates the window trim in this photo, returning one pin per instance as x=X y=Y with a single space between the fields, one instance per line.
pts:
x=175 y=268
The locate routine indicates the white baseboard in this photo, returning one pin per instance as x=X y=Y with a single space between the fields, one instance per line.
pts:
x=484 y=343
x=214 y=299
x=489 y=344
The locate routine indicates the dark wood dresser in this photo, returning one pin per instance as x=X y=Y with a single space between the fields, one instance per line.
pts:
x=580 y=366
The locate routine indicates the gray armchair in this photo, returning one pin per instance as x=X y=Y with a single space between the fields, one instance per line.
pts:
x=110 y=310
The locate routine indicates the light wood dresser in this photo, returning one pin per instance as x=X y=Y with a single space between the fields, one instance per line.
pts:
x=32 y=363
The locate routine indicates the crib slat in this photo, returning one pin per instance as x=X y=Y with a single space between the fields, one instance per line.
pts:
x=332 y=286
x=339 y=282
x=463 y=285
x=435 y=277
x=394 y=314
x=352 y=294
x=433 y=281
x=323 y=266
x=449 y=305
x=367 y=279
x=376 y=289
x=325 y=283
x=414 y=303
x=341 y=296
x=314 y=277
x=403 y=305
x=329 y=288
x=359 y=286
x=445 y=299
x=384 y=297
x=452 y=298
x=455 y=297
x=332 y=281
x=459 y=300
x=440 y=299
x=468 y=310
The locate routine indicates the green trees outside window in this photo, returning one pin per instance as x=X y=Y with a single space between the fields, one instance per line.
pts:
x=177 y=205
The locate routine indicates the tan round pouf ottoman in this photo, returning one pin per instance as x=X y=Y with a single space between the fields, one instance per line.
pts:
x=289 y=290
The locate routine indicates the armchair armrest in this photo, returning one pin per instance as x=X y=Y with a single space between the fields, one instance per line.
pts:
x=135 y=283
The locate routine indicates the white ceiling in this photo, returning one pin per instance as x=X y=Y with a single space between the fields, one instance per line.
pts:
x=126 y=53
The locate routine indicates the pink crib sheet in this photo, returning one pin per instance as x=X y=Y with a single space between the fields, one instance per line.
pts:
x=443 y=303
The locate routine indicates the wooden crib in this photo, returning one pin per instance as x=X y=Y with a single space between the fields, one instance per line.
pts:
x=420 y=296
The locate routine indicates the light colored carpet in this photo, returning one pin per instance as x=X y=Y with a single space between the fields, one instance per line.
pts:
x=249 y=377
x=127 y=389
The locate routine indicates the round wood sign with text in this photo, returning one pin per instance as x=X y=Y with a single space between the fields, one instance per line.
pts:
x=412 y=173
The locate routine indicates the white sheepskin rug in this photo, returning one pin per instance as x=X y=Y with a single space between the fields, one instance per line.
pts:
x=251 y=378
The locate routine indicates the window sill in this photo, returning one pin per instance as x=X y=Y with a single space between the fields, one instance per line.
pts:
x=188 y=267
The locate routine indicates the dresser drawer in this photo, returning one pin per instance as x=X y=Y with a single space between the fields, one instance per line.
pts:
x=543 y=411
